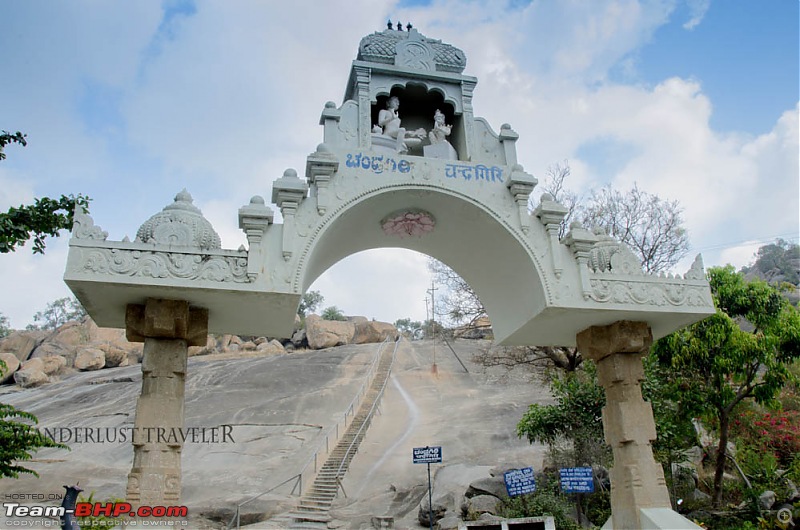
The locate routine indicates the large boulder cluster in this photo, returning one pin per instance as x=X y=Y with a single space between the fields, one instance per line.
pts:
x=34 y=358
x=480 y=501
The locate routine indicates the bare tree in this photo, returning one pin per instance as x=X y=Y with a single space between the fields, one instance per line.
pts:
x=651 y=226
x=553 y=184
x=533 y=358
x=459 y=303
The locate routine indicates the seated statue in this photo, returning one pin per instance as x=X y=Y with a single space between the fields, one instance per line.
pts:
x=389 y=119
x=389 y=127
x=440 y=130
x=440 y=147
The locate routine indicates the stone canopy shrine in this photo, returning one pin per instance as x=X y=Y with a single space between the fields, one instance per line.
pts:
x=403 y=163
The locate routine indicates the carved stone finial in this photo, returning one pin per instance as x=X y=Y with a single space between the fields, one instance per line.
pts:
x=83 y=226
x=180 y=224
x=610 y=255
x=696 y=271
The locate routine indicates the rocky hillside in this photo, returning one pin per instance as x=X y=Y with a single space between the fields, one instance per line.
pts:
x=280 y=408
x=34 y=358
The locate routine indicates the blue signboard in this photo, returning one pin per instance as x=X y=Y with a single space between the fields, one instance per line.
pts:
x=427 y=455
x=519 y=481
x=577 y=480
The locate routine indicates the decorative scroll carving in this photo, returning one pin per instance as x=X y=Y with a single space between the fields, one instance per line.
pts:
x=141 y=263
x=652 y=292
x=83 y=226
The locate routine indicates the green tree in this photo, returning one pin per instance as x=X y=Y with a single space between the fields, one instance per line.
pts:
x=410 y=328
x=45 y=217
x=19 y=439
x=742 y=352
x=309 y=303
x=574 y=418
x=11 y=138
x=776 y=263
x=58 y=313
x=5 y=326
x=333 y=313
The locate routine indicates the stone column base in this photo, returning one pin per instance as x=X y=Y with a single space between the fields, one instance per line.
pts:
x=657 y=519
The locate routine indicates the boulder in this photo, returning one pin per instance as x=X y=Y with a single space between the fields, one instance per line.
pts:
x=482 y=504
x=114 y=355
x=11 y=366
x=31 y=374
x=489 y=518
x=767 y=499
x=328 y=333
x=299 y=339
x=272 y=347
x=697 y=499
x=249 y=346
x=53 y=364
x=792 y=494
x=449 y=522
x=90 y=359
x=22 y=343
x=370 y=331
x=694 y=455
x=424 y=514
x=210 y=347
x=494 y=486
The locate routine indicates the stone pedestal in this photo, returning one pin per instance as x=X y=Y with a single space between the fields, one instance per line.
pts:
x=167 y=328
x=639 y=495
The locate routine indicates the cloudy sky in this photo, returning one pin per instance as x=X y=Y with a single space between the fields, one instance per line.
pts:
x=128 y=102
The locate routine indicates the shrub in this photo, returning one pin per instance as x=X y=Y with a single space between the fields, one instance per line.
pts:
x=774 y=432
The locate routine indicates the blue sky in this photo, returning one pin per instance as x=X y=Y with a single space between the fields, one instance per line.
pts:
x=694 y=100
x=745 y=54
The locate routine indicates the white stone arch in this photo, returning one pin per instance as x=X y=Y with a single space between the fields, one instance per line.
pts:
x=170 y=287
x=501 y=267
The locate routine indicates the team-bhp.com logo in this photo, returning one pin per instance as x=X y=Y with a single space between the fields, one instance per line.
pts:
x=94 y=509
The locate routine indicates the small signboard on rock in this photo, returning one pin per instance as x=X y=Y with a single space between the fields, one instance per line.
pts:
x=427 y=455
x=576 y=480
x=519 y=481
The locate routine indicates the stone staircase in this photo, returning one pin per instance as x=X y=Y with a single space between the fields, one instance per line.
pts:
x=312 y=511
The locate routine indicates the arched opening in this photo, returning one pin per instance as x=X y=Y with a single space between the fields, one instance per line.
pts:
x=465 y=236
x=417 y=107
x=384 y=284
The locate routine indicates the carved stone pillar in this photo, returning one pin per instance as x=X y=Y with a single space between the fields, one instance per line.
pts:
x=639 y=495
x=167 y=328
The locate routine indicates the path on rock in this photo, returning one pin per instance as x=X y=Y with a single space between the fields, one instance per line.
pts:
x=472 y=416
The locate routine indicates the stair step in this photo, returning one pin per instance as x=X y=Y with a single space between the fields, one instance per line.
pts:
x=311 y=514
x=312 y=510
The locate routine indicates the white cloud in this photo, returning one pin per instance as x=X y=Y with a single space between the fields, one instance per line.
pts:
x=697 y=10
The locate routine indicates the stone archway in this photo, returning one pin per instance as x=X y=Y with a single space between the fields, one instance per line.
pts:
x=362 y=189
